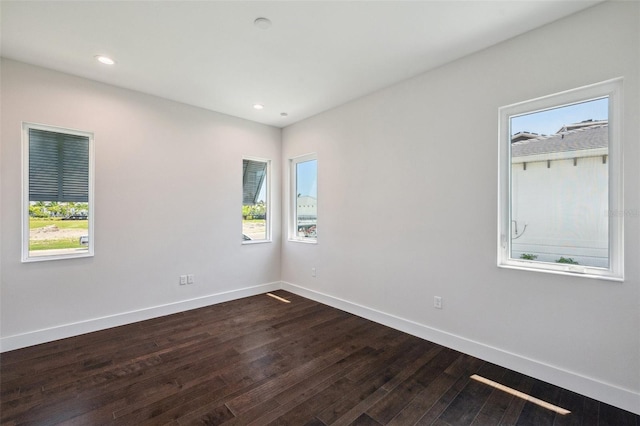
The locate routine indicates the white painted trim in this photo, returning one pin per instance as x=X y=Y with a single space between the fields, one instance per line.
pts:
x=605 y=392
x=300 y=240
x=18 y=341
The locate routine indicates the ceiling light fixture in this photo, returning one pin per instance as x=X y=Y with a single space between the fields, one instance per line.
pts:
x=258 y=106
x=284 y=114
x=105 y=60
x=262 y=23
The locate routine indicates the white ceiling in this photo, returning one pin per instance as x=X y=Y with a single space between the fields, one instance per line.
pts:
x=315 y=56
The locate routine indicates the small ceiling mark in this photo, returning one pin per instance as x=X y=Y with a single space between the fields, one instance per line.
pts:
x=262 y=23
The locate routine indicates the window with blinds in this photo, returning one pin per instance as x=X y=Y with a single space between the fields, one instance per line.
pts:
x=58 y=166
x=57 y=192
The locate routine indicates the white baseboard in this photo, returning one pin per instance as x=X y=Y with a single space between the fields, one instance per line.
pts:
x=610 y=394
x=95 y=324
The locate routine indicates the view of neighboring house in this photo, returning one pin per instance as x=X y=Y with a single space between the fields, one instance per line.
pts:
x=553 y=216
x=307 y=212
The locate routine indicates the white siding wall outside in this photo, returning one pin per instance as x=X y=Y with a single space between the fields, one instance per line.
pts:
x=307 y=206
x=564 y=208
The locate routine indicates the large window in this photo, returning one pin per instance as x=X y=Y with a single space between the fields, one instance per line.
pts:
x=304 y=198
x=561 y=205
x=256 y=216
x=57 y=193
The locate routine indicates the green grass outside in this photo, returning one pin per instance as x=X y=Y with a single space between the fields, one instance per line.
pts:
x=57 y=243
x=35 y=223
x=65 y=243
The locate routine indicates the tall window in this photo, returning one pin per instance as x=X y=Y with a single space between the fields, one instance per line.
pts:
x=560 y=182
x=256 y=216
x=304 y=198
x=57 y=193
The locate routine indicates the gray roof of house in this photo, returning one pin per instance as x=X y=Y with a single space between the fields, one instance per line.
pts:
x=573 y=140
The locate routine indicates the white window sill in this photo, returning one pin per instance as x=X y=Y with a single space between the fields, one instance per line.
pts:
x=46 y=257
x=250 y=242
x=573 y=271
x=305 y=241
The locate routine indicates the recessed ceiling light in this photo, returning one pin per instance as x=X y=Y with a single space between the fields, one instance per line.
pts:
x=105 y=60
x=262 y=23
x=258 y=106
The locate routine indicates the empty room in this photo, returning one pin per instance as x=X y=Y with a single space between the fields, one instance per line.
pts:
x=320 y=212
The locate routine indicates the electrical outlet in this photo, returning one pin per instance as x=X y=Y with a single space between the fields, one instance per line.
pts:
x=437 y=302
x=313 y=272
x=183 y=279
x=190 y=279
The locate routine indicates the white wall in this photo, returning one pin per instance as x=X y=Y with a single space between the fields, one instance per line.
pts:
x=422 y=155
x=168 y=177
x=168 y=182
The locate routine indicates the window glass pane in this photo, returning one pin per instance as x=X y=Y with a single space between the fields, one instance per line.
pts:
x=306 y=216
x=57 y=190
x=254 y=200
x=58 y=228
x=559 y=189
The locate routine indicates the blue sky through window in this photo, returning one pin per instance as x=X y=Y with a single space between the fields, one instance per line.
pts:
x=307 y=178
x=550 y=121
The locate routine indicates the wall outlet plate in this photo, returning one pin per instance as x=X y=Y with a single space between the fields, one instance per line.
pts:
x=437 y=302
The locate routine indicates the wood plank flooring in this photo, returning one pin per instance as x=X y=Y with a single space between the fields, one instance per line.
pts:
x=259 y=361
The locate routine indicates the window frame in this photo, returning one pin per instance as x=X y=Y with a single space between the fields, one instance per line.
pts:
x=293 y=196
x=611 y=89
x=26 y=258
x=268 y=237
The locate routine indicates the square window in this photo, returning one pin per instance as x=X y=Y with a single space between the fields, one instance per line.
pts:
x=561 y=183
x=57 y=193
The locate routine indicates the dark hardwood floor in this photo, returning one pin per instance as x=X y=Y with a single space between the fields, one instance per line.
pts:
x=260 y=361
